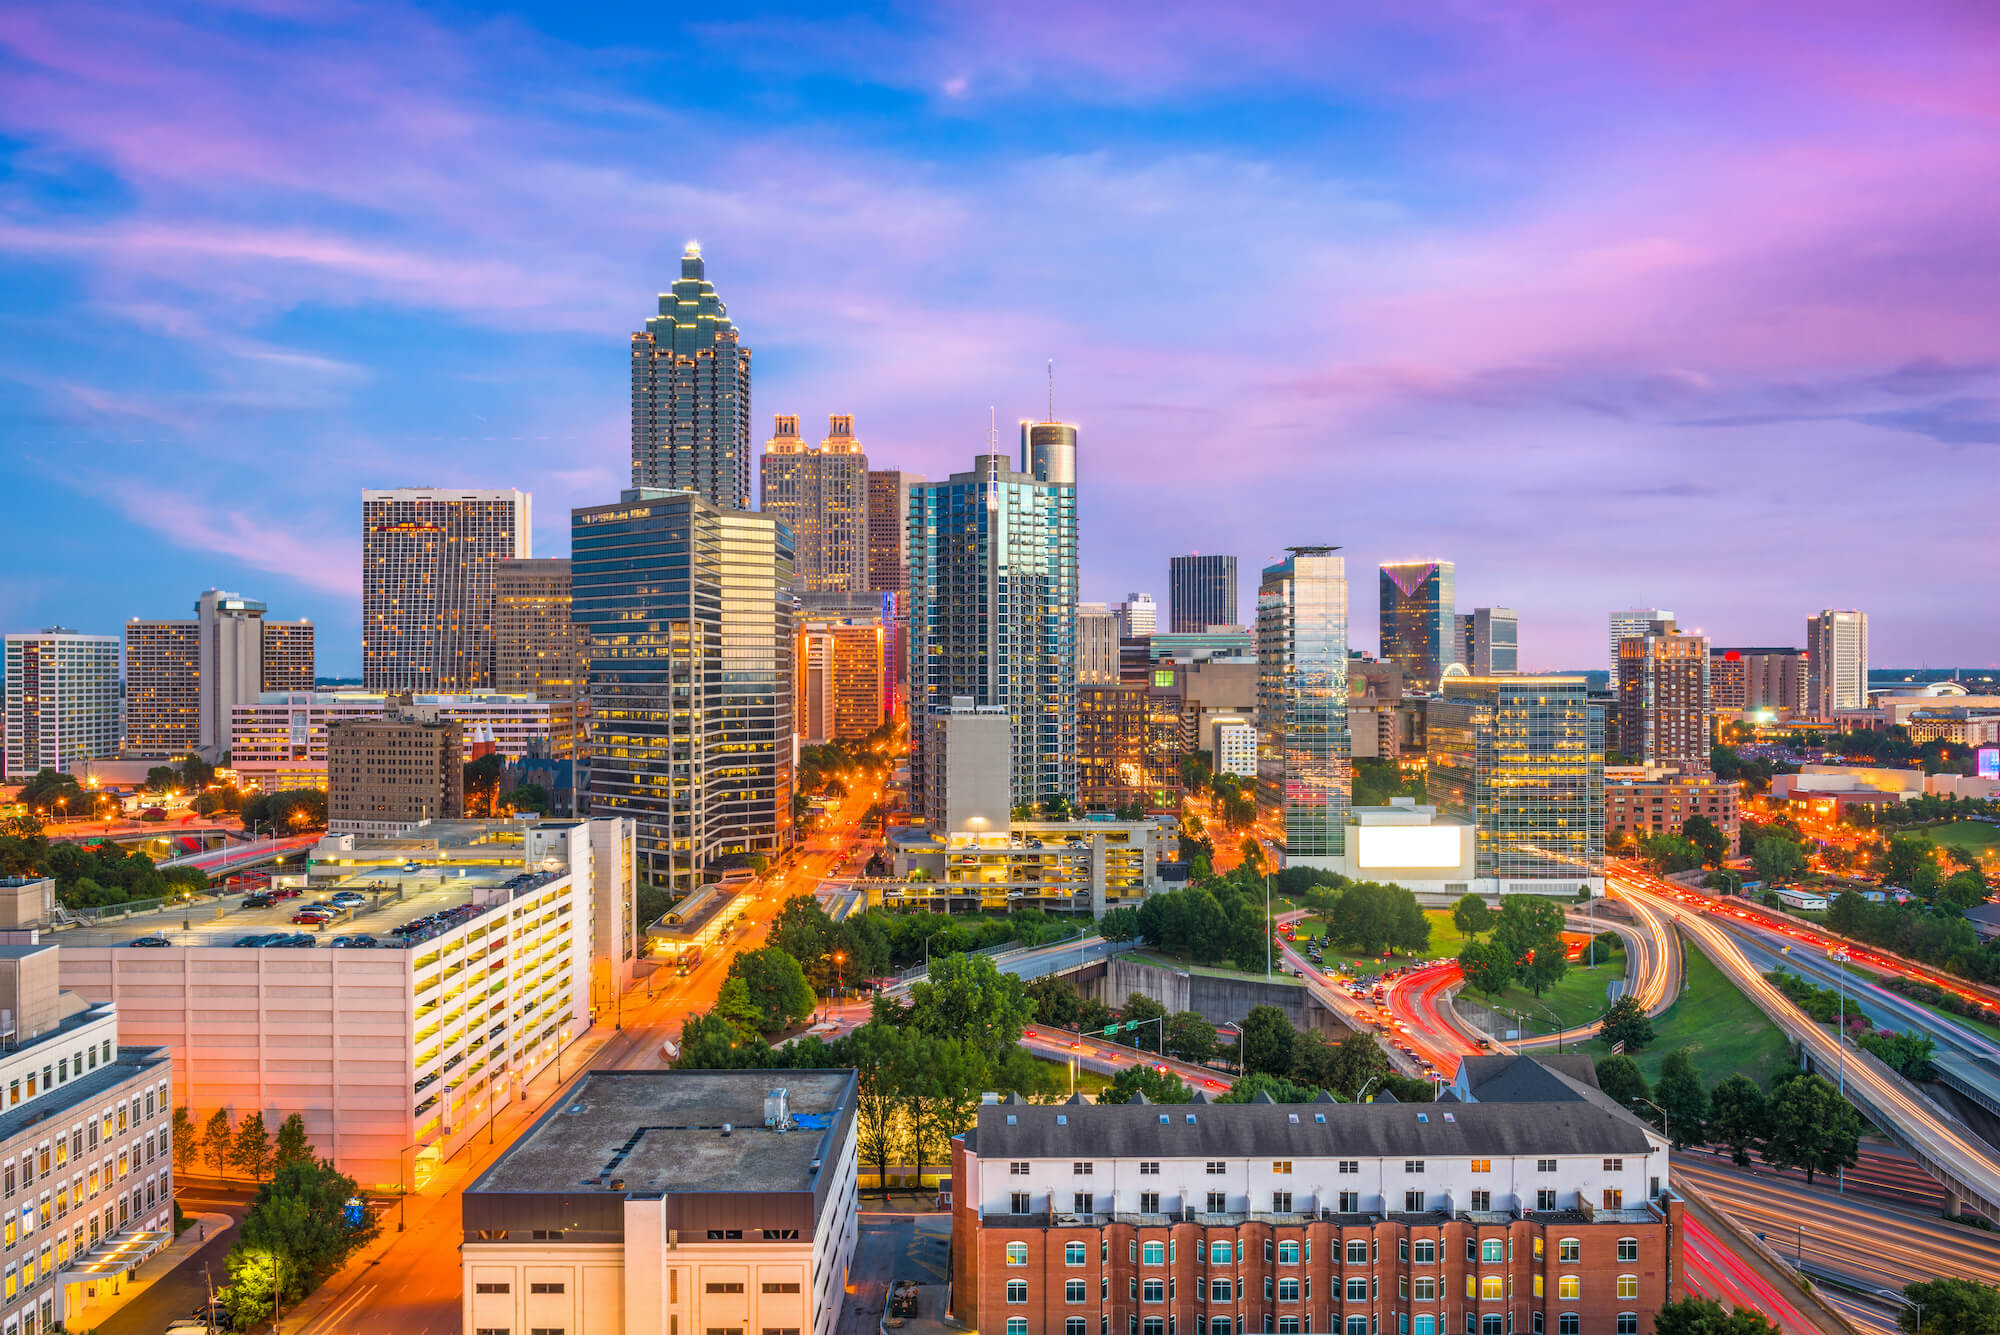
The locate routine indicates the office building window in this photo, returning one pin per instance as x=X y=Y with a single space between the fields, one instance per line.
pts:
x=1017 y=1291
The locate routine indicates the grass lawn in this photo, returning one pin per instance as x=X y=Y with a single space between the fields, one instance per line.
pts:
x=1578 y=999
x=1728 y=1035
x=1088 y=1082
x=1279 y=973
x=1445 y=944
x=1973 y=836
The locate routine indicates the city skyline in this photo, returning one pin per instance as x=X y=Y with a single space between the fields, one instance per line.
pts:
x=298 y=321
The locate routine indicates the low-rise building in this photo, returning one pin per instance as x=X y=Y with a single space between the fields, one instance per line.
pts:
x=1865 y=783
x=1525 y=1200
x=483 y=949
x=1072 y=866
x=1651 y=799
x=279 y=742
x=1431 y=854
x=1232 y=742
x=385 y=775
x=670 y=1201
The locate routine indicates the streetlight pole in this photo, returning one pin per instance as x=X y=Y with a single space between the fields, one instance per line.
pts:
x=1840 y=1036
x=1666 y=1123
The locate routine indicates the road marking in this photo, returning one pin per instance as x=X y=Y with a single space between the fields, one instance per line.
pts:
x=350 y=1300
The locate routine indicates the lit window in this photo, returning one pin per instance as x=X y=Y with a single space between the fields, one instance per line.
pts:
x=1017 y=1253
x=1628 y=1286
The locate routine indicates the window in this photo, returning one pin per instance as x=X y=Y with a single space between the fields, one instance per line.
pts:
x=1219 y=1252
x=1149 y=1168
x=1217 y=1202
x=1350 y=1165
x=1350 y=1202
x=1425 y=1289
x=492 y=1286
x=1357 y=1289
x=1492 y=1251
x=1218 y=1325
x=1017 y=1253
x=1018 y=1168
x=1281 y=1202
x=545 y=1286
x=1628 y=1286
x=1074 y=1253
x=1536 y=1318
x=1083 y=1202
x=1402 y=1286
x=1628 y=1249
x=1288 y=1253
x=1357 y=1325
x=1614 y=1165
x=1081 y=1169
x=723 y=1286
x=1492 y=1324
x=1076 y=1325
x=1155 y=1253
x=1614 y=1198
x=1492 y=1287
x=1482 y=1165
x=1076 y=1291
x=1017 y=1291
x=1425 y=1324
x=1426 y=1251
x=1357 y=1252
x=1569 y=1251
x=1538 y=1286
x=1019 y=1203
x=1413 y=1165
x=1153 y=1325
x=1545 y=1165
x=1218 y=1290
x=1569 y=1323
x=782 y=1286
x=1283 y=1166
x=1149 y=1202
x=1215 y=1167
x=1628 y=1323
x=1568 y=1287
x=1153 y=1291
x=1538 y=1247
x=1288 y=1290
x=1482 y=1199
x=1545 y=1199
x=1017 y=1325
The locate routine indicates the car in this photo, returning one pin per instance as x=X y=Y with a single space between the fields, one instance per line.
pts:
x=299 y=942
x=149 y=941
x=258 y=900
x=284 y=892
x=1029 y=1033
x=347 y=897
x=313 y=916
x=354 y=942
x=254 y=939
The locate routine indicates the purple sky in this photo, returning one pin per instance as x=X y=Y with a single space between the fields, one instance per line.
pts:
x=1694 y=306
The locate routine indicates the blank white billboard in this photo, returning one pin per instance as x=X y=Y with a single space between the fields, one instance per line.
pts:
x=1407 y=846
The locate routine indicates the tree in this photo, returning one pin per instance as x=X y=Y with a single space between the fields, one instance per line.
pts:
x=482 y=783
x=1471 y=915
x=293 y=1146
x=1738 y=1117
x=1776 y=860
x=1487 y=966
x=1190 y=1037
x=294 y=1236
x=1278 y=1087
x=806 y=931
x=1670 y=853
x=1056 y=1000
x=776 y=985
x=218 y=1140
x=1119 y=925
x=1158 y=1086
x=1056 y=807
x=187 y=1140
x=1707 y=836
x=1370 y=917
x=1679 y=1092
x=1627 y=1022
x=160 y=778
x=873 y=1050
x=965 y=997
x=1621 y=1079
x=1144 y=1011
x=1701 y=1316
x=1812 y=1127
x=1952 y=1307
x=1267 y=1040
x=530 y=797
x=251 y=1154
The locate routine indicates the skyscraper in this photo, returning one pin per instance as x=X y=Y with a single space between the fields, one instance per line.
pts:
x=1138 y=616
x=1201 y=592
x=1836 y=662
x=993 y=582
x=1632 y=621
x=1489 y=642
x=1522 y=758
x=1304 y=760
x=1048 y=451
x=162 y=688
x=1663 y=701
x=288 y=655
x=61 y=700
x=429 y=562
x=538 y=648
x=1419 y=625
x=185 y=677
x=889 y=531
x=691 y=395
x=689 y=612
x=1096 y=645
x=821 y=493
x=1757 y=679
x=841 y=683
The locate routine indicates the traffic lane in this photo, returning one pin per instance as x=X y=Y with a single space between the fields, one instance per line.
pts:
x=1739 y=1280
x=177 y=1293
x=1888 y=1176
x=1094 y=1054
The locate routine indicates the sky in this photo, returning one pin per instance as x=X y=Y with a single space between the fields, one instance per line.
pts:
x=1693 y=306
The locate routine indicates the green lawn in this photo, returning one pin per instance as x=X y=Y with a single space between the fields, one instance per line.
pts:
x=1088 y=1082
x=1279 y=973
x=1445 y=944
x=1727 y=1034
x=1970 y=835
x=1578 y=999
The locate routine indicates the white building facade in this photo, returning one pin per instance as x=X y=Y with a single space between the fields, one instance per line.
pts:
x=61 y=700
x=279 y=742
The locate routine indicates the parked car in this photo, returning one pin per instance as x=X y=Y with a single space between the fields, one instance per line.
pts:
x=149 y=941
x=301 y=941
x=354 y=942
x=347 y=898
x=255 y=939
x=283 y=892
x=313 y=915
x=258 y=900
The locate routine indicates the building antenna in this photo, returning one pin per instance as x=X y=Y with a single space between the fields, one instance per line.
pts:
x=1052 y=389
x=992 y=430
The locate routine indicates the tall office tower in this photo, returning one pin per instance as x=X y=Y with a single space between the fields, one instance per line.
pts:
x=1419 y=624
x=1490 y=642
x=1632 y=621
x=288 y=655
x=821 y=493
x=1096 y=645
x=889 y=530
x=1138 y=616
x=1663 y=701
x=185 y=677
x=842 y=684
x=689 y=612
x=162 y=688
x=993 y=615
x=429 y=563
x=1836 y=662
x=1304 y=757
x=1048 y=451
x=62 y=700
x=1522 y=758
x=691 y=395
x=1754 y=680
x=1201 y=592
x=538 y=648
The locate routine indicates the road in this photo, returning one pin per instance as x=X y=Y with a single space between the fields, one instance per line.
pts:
x=184 y=1288
x=225 y=858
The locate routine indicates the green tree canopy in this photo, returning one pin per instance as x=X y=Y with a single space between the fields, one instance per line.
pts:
x=1738 y=1117
x=1487 y=966
x=1952 y=1306
x=1812 y=1127
x=776 y=985
x=1160 y=1087
x=1678 y=1091
x=1620 y=1077
x=1267 y=1040
x=966 y=997
x=1776 y=859
x=1627 y=1022
x=1471 y=915
x=1701 y=1316
x=295 y=1235
x=1190 y=1037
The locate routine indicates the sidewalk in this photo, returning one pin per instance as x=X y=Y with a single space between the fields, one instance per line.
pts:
x=115 y=1290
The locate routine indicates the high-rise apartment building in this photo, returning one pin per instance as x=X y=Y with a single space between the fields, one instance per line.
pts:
x=1489 y=642
x=689 y=609
x=889 y=531
x=1201 y=592
x=1663 y=702
x=430 y=562
x=61 y=701
x=691 y=395
x=1753 y=680
x=1522 y=759
x=1632 y=621
x=1130 y=741
x=184 y=678
x=1096 y=645
x=384 y=775
x=1836 y=662
x=821 y=493
x=538 y=649
x=1418 y=620
x=841 y=669
x=1138 y=616
x=1048 y=451
x=1305 y=761
x=993 y=581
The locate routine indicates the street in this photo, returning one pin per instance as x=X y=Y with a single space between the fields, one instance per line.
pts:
x=184 y=1288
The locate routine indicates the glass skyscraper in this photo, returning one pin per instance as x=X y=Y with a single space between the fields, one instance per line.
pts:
x=1522 y=758
x=1304 y=752
x=691 y=395
x=1419 y=625
x=993 y=584
x=1201 y=592
x=689 y=612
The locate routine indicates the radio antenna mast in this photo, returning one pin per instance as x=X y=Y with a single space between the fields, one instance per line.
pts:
x=1052 y=389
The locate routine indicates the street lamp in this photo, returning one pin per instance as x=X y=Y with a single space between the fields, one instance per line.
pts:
x=1840 y=1036
x=1665 y=1124
x=840 y=974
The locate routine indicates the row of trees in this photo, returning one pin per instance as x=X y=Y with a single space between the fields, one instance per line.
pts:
x=1523 y=946
x=246 y=1149
x=1220 y=920
x=90 y=875
x=1803 y=1122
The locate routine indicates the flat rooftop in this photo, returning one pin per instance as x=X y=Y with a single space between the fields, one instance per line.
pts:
x=663 y=1131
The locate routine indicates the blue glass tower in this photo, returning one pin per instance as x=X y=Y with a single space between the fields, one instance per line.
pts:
x=691 y=395
x=1305 y=754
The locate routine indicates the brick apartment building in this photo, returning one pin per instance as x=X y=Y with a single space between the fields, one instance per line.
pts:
x=1641 y=800
x=1524 y=1203
x=385 y=775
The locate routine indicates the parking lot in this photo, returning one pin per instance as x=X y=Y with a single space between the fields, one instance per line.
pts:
x=389 y=901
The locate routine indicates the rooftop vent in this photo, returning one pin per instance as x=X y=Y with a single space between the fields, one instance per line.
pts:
x=727 y=1128
x=778 y=1110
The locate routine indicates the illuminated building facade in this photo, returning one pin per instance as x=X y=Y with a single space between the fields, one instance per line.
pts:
x=1130 y=740
x=1632 y=621
x=1096 y=645
x=1639 y=800
x=278 y=741
x=821 y=493
x=1754 y=681
x=1138 y=616
x=1489 y=642
x=385 y=775
x=1418 y=622
x=184 y=678
x=1304 y=750
x=1836 y=662
x=162 y=688
x=61 y=700
x=430 y=561
x=691 y=395
x=889 y=568
x=1201 y=592
x=689 y=609
x=842 y=680
x=1522 y=758
x=1663 y=701
x=538 y=648
x=993 y=580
